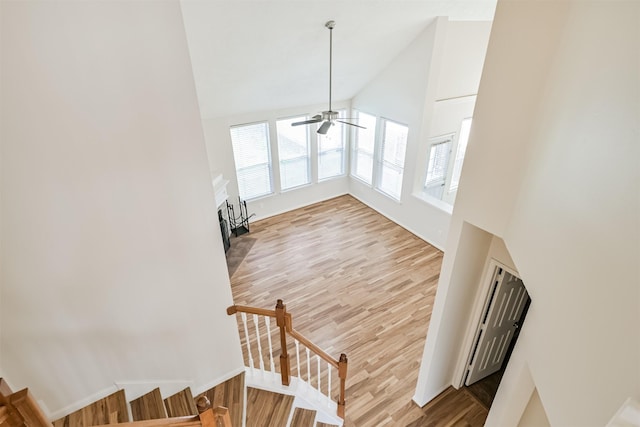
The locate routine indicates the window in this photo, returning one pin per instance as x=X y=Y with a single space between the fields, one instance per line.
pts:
x=364 y=147
x=443 y=171
x=392 y=150
x=437 y=167
x=463 y=139
x=331 y=151
x=293 y=153
x=253 y=159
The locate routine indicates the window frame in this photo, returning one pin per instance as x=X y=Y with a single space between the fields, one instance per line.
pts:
x=381 y=161
x=269 y=162
x=356 y=151
x=343 y=138
x=308 y=155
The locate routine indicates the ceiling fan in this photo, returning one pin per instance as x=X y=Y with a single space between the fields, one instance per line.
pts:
x=329 y=117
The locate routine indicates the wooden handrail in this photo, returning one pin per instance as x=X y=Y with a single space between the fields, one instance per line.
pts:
x=218 y=417
x=285 y=325
x=26 y=406
x=311 y=346
x=188 y=421
x=250 y=310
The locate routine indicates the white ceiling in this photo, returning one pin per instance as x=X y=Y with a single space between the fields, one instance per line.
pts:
x=250 y=56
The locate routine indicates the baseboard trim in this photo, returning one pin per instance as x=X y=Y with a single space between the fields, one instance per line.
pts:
x=398 y=223
x=420 y=402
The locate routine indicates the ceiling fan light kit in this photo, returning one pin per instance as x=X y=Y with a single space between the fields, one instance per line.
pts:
x=329 y=117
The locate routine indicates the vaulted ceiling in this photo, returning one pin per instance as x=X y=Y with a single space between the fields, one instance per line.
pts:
x=250 y=56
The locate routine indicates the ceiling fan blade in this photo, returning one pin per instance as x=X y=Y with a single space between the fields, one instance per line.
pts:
x=324 y=127
x=314 y=119
x=351 y=124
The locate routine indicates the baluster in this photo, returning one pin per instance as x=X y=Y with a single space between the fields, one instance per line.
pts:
x=318 y=360
x=260 y=358
x=298 y=357
x=329 y=385
x=308 y=369
x=267 y=321
x=243 y=316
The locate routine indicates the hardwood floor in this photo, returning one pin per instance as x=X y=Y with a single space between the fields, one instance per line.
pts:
x=267 y=409
x=356 y=283
x=229 y=394
x=103 y=411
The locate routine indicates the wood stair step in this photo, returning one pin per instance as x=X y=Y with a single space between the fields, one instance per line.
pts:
x=319 y=424
x=229 y=394
x=181 y=404
x=303 y=418
x=103 y=411
x=267 y=409
x=148 y=406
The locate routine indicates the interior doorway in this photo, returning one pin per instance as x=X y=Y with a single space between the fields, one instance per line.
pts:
x=505 y=307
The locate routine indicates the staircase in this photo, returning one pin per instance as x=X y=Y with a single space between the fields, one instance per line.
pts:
x=265 y=395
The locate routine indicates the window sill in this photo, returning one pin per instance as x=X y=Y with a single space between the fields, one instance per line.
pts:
x=432 y=201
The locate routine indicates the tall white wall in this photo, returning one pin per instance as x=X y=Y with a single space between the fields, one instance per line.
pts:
x=406 y=92
x=113 y=267
x=221 y=160
x=557 y=111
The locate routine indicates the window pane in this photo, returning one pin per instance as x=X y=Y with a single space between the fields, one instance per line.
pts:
x=364 y=167
x=252 y=159
x=463 y=139
x=394 y=145
x=438 y=162
x=364 y=146
x=331 y=151
x=293 y=151
x=391 y=180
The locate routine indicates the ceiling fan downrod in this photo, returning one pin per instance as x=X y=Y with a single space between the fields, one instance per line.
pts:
x=330 y=25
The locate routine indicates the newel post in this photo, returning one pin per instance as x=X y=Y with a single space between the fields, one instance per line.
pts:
x=342 y=373
x=281 y=314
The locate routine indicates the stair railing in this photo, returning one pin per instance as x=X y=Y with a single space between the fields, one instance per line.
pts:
x=20 y=408
x=261 y=358
x=210 y=417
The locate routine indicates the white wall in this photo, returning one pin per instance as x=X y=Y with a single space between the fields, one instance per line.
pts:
x=407 y=91
x=557 y=110
x=534 y=415
x=113 y=267
x=221 y=160
x=463 y=53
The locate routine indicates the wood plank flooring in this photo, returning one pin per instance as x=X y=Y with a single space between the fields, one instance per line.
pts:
x=267 y=409
x=303 y=418
x=229 y=394
x=181 y=404
x=148 y=406
x=356 y=283
x=99 y=412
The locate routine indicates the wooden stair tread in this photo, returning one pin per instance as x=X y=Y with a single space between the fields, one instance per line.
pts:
x=229 y=394
x=148 y=406
x=181 y=404
x=319 y=424
x=303 y=417
x=98 y=413
x=267 y=409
